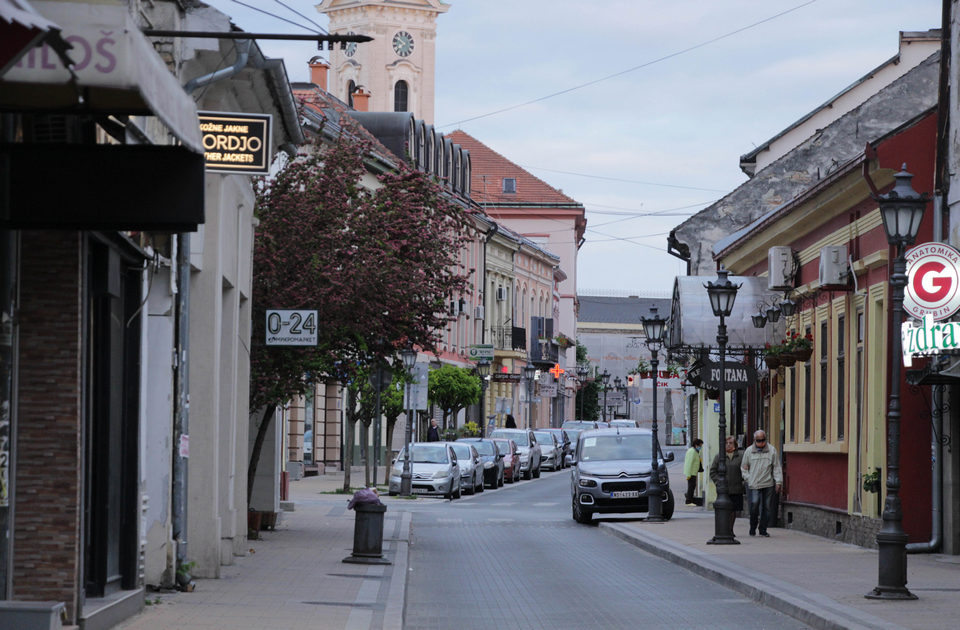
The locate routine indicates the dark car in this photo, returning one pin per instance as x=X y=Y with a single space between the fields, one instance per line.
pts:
x=491 y=460
x=567 y=444
x=613 y=473
x=511 y=459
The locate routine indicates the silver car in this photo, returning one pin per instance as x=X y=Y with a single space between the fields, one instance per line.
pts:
x=471 y=468
x=433 y=467
x=491 y=458
x=530 y=455
x=551 y=451
x=612 y=473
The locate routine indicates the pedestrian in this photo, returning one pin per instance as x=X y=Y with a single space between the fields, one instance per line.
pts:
x=510 y=423
x=433 y=433
x=733 y=458
x=760 y=469
x=692 y=466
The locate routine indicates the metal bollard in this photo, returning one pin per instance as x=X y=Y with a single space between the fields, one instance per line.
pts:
x=368 y=535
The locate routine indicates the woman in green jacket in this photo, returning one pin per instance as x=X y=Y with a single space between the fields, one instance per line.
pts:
x=692 y=465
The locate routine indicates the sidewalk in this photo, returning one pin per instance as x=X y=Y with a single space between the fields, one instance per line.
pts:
x=815 y=580
x=294 y=577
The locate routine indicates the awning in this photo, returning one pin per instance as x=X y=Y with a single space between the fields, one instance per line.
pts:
x=118 y=72
x=693 y=324
x=21 y=28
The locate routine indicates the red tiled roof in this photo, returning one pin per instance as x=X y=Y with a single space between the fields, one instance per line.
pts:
x=488 y=170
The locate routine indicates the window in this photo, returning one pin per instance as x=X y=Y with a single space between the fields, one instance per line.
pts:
x=824 y=383
x=351 y=88
x=807 y=374
x=841 y=374
x=400 y=96
x=509 y=185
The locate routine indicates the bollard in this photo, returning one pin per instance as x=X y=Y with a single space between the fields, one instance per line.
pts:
x=368 y=534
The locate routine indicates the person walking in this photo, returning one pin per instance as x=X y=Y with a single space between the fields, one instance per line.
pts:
x=692 y=466
x=733 y=458
x=433 y=433
x=511 y=423
x=760 y=469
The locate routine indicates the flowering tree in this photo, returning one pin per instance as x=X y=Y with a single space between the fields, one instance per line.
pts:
x=378 y=266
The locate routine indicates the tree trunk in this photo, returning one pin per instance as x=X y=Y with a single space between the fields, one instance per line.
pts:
x=368 y=455
x=348 y=440
x=390 y=425
x=265 y=421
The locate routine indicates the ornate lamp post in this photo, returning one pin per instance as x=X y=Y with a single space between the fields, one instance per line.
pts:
x=902 y=210
x=653 y=327
x=604 y=379
x=582 y=370
x=528 y=373
x=722 y=295
x=409 y=356
x=483 y=371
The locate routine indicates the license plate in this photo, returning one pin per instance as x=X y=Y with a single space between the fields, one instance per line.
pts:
x=625 y=494
x=420 y=491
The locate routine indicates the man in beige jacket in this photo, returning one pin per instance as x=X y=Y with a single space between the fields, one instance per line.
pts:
x=760 y=468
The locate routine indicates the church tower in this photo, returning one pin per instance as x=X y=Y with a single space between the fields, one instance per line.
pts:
x=397 y=68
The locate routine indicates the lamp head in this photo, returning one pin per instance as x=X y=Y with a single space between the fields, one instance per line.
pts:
x=902 y=210
x=773 y=314
x=722 y=294
x=605 y=377
x=759 y=320
x=653 y=327
x=409 y=356
x=483 y=368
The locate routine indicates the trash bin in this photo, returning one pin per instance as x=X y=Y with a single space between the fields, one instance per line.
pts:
x=368 y=534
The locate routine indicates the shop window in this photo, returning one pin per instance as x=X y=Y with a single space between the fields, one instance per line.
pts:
x=841 y=377
x=824 y=383
x=807 y=419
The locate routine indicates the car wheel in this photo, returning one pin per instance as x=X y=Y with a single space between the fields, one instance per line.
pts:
x=458 y=492
x=392 y=493
x=471 y=488
x=581 y=515
x=668 y=505
x=536 y=474
x=500 y=481
x=528 y=474
x=480 y=488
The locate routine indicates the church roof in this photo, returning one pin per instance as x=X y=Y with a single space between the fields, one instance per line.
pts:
x=489 y=169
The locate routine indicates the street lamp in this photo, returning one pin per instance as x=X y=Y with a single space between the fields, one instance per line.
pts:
x=528 y=373
x=653 y=327
x=582 y=370
x=605 y=378
x=901 y=210
x=483 y=371
x=409 y=356
x=722 y=295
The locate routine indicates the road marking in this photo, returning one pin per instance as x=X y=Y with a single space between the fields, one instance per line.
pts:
x=449 y=520
x=506 y=520
x=550 y=504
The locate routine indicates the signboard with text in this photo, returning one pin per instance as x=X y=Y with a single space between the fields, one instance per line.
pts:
x=933 y=281
x=480 y=351
x=736 y=375
x=236 y=143
x=289 y=327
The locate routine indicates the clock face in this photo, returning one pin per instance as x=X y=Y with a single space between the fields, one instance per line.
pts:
x=351 y=46
x=403 y=43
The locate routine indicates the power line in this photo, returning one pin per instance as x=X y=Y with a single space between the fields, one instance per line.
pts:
x=628 y=70
x=288 y=7
x=625 y=181
x=273 y=15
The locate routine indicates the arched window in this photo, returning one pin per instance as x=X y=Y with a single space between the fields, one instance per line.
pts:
x=400 y=96
x=351 y=88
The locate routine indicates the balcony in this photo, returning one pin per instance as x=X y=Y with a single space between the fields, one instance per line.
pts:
x=509 y=338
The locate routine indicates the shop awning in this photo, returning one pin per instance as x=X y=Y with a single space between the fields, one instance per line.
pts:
x=117 y=72
x=21 y=28
x=693 y=324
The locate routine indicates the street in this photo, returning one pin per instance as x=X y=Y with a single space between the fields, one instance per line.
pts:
x=514 y=557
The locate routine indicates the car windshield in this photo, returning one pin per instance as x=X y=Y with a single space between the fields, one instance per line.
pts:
x=503 y=447
x=484 y=448
x=544 y=436
x=602 y=448
x=576 y=424
x=622 y=423
x=520 y=437
x=462 y=451
x=573 y=434
x=424 y=454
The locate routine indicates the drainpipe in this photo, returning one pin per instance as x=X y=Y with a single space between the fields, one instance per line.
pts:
x=243 y=55
x=181 y=412
x=936 y=498
x=483 y=281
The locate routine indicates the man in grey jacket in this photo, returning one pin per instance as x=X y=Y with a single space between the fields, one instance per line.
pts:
x=760 y=468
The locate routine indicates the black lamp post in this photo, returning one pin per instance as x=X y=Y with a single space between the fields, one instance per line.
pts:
x=483 y=371
x=653 y=327
x=582 y=370
x=616 y=388
x=529 y=372
x=409 y=356
x=605 y=378
x=722 y=295
x=902 y=210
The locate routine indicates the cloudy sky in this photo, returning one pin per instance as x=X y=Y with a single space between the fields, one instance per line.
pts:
x=639 y=109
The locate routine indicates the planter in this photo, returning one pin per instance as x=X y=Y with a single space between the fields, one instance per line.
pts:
x=254 y=519
x=788 y=358
x=772 y=360
x=268 y=520
x=803 y=354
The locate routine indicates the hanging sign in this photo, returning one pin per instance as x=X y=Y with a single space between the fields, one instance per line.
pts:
x=933 y=281
x=287 y=327
x=735 y=376
x=928 y=338
x=236 y=143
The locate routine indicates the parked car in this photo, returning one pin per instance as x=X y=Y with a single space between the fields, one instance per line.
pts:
x=565 y=441
x=471 y=468
x=583 y=425
x=550 y=449
x=490 y=459
x=625 y=423
x=530 y=455
x=613 y=471
x=434 y=469
x=511 y=458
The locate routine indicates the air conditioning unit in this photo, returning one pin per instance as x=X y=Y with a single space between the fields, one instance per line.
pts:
x=833 y=266
x=501 y=294
x=478 y=313
x=781 y=268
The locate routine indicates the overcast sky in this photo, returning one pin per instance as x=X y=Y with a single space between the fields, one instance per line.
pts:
x=697 y=84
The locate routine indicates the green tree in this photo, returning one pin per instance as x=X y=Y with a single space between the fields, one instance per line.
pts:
x=391 y=402
x=453 y=388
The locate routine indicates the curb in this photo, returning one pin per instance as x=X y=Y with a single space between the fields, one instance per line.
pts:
x=815 y=610
x=393 y=614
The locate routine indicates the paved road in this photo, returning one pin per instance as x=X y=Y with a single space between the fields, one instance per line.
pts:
x=514 y=558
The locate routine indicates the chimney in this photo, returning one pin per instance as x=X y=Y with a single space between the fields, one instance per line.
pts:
x=361 y=100
x=318 y=73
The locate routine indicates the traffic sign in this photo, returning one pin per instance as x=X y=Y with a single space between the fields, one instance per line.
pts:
x=480 y=351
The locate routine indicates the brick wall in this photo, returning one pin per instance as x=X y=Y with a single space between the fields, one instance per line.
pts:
x=47 y=527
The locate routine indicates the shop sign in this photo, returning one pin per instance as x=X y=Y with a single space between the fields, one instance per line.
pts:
x=236 y=143
x=928 y=338
x=500 y=377
x=735 y=376
x=479 y=351
x=548 y=390
x=291 y=327
x=933 y=281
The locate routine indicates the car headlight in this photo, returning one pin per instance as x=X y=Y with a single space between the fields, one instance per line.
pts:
x=488 y=465
x=587 y=483
x=441 y=474
x=524 y=457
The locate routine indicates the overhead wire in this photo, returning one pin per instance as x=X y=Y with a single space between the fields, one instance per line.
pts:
x=291 y=9
x=274 y=15
x=625 y=181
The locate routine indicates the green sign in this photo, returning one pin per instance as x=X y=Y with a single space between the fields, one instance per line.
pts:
x=928 y=338
x=480 y=351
